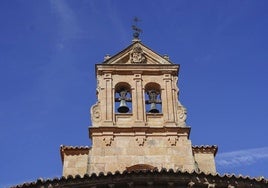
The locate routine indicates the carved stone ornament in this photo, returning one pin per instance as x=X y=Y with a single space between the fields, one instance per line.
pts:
x=108 y=140
x=95 y=113
x=140 y=140
x=173 y=140
x=182 y=115
x=137 y=55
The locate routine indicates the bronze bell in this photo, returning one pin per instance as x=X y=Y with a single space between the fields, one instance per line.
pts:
x=123 y=108
x=153 y=100
x=153 y=108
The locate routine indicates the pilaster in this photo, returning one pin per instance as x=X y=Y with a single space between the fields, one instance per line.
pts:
x=168 y=100
x=108 y=101
x=138 y=100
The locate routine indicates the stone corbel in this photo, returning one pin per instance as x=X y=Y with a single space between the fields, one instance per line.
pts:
x=108 y=140
x=173 y=140
x=140 y=140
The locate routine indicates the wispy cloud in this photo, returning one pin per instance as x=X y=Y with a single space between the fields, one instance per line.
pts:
x=242 y=157
x=68 y=27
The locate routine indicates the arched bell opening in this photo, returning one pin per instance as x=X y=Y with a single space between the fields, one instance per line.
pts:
x=123 y=101
x=153 y=101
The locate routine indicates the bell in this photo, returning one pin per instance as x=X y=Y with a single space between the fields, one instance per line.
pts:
x=153 y=99
x=153 y=108
x=123 y=108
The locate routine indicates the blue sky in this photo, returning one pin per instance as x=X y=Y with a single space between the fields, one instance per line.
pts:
x=48 y=50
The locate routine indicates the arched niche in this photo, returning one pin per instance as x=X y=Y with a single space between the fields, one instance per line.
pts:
x=123 y=101
x=153 y=100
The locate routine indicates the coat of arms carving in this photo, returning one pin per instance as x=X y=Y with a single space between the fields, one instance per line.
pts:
x=137 y=55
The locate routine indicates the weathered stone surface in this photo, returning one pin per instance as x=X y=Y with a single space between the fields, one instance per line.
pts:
x=141 y=79
x=74 y=159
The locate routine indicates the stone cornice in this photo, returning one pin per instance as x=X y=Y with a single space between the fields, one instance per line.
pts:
x=152 y=69
x=139 y=131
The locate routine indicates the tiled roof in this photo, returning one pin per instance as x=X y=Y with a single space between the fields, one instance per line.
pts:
x=205 y=149
x=75 y=147
x=73 y=150
x=145 y=178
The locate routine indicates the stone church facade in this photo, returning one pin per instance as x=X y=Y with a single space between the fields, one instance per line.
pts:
x=139 y=133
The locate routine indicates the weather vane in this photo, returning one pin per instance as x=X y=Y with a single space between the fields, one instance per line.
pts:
x=135 y=28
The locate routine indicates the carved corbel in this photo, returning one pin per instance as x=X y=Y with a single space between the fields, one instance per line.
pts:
x=173 y=140
x=140 y=140
x=108 y=140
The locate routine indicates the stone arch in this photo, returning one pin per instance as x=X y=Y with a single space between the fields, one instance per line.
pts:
x=153 y=97
x=138 y=167
x=123 y=101
x=122 y=85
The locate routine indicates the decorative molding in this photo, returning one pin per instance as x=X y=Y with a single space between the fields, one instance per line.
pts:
x=145 y=131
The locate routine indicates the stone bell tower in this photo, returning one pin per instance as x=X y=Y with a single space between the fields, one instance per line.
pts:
x=138 y=121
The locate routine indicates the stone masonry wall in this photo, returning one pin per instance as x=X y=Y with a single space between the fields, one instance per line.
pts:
x=206 y=162
x=75 y=164
x=125 y=151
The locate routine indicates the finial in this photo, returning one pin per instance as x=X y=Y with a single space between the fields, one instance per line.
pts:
x=165 y=56
x=107 y=56
x=136 y=30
